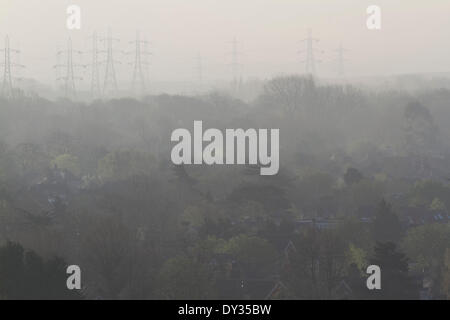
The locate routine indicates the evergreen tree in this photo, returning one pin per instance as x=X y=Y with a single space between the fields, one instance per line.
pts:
x=25 y=275
x=386 y=225
x=395 y=280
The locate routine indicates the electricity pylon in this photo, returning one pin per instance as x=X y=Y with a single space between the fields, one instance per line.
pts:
x=69 y=77
x=96 y=90
x=7 y=87
x=110 y=87
x=138 y=83
x=310 y=60
x=147 y=62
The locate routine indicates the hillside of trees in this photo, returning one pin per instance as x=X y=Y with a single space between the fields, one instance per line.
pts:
x=364 y=179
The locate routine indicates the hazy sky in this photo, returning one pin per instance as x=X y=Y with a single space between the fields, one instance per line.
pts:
x=415 y=34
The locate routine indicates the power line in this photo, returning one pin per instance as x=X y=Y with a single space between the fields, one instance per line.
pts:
x=69 y=77
x=110 y=87
x=7 y=87
x=146 y=60
x=139 y=75
x=96 y=90
x=310 y=60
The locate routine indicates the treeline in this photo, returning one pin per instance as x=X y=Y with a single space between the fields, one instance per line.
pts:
x=363 y=180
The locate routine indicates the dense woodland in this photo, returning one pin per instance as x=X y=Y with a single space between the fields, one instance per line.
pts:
x=364 y=179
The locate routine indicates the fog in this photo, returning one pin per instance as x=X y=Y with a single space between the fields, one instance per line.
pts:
x=163 y=186
x=413 y=39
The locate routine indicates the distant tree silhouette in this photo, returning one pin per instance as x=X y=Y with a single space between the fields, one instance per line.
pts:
x=446 y=275
x=421 y=132
x=25 y=275
x=352 y=176
x=386 y=225
x=356 y=282
x=291 y=92
x=185 y=277
x=395 y=280
x=271 y=197
x=182 y=176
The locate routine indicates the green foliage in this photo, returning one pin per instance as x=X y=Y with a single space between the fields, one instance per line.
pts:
x=366 y=193
x=143 y=228
x=184 y=277
x=67 y=162
x=7 y=164
x=290 y=93
x=424 y=192
x=421 y=132
x=252 y=253
x=352 y=176
x=313 y=188
x=445 y=285
x=25 y=275
x=353 y=232
x=356 y=256
x=272 y=198
x=395 y=280
x=427 y=244
x=386 y=225
x=120 y=165
x=317 y=265
x=438 y=205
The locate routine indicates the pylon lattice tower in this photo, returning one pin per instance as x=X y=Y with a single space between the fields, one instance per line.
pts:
x=7 y=86
x=310 y=60
x=110 y=87
x=69 y=75
x=139 y=81
x=147 y=61
x=96 y=90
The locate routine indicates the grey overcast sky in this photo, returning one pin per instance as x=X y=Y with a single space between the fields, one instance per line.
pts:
x=415 y=34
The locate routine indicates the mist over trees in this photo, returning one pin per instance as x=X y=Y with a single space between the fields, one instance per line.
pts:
x=364 y=179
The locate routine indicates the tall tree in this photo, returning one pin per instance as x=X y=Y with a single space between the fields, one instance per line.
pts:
x=396 y=284
x=25 y=275
x=386 y=225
